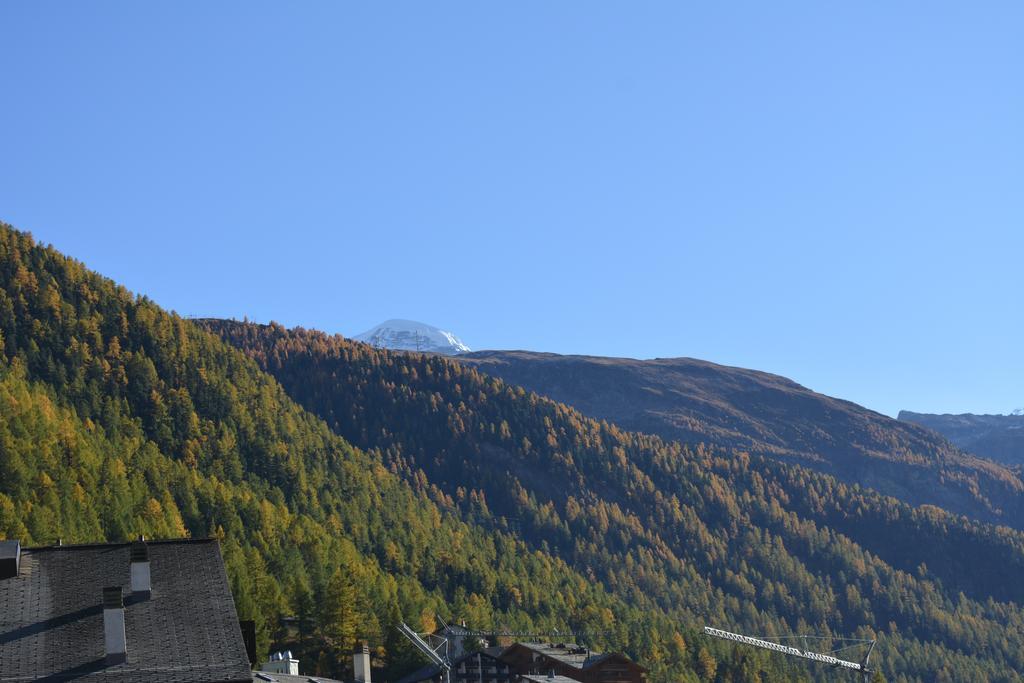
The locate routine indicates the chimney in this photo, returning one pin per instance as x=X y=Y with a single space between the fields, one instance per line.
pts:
x=248 y=627
x=10 y=559
x=141 y=584
x=113 y=626
x=361 y=664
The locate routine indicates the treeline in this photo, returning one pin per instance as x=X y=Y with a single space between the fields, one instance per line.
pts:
x=117 y=418
x=727 y=538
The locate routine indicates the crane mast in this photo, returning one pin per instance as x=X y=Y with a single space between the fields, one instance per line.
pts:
x=440 y=659
x=861 y=666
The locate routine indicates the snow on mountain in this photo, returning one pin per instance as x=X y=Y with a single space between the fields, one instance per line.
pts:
x=409 y=335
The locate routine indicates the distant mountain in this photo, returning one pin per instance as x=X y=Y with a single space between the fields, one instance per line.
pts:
x=409 y=335
x=998 y=437
x=695 y=401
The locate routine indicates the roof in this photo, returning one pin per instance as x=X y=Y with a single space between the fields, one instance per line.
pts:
x=423 y=674
x=51 y=616
x=573 y=655
x=265 y=677
x=492 y=651
x=545 y=678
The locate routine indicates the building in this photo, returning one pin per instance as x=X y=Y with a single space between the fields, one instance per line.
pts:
x=461 y=640
x=572 y=661
x=483 y=666
x=532 y=662
x=282 y=667
x=264 y=677
x=119 y=613
x=131 y=613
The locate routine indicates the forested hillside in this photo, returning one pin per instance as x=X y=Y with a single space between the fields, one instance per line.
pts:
x=720 y=536
x=694 y=401
x=117 y=418
x=472 y=498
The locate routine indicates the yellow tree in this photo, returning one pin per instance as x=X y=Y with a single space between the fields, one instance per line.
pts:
x=340 y=614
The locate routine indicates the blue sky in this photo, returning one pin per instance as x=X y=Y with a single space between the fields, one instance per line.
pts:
x=829 y=191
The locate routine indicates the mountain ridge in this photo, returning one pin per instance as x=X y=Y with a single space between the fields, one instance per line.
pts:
x=997 y=437
x=698 y=401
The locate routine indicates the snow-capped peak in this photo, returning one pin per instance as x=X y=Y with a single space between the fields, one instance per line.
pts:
x=409 y=335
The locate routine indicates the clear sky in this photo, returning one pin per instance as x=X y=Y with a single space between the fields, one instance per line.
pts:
x=830 y=191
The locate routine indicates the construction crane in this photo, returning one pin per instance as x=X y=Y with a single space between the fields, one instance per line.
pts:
x=826 y=658
x=437 y=655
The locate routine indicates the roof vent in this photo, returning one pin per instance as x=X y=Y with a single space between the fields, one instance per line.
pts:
x=141 y=583
x=10 y=559
x=282 y=663
x=113 y=626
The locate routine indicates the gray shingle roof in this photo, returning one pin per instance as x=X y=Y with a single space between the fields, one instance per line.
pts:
x=422 y=674
x=264 y=677
x=579 y=657
x=574 y=655
x=51 y=617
